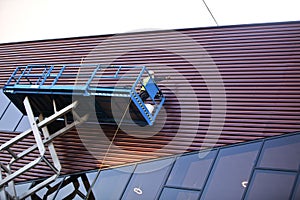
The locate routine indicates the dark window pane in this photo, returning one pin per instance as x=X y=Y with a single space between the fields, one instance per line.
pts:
x=281 y=153
x=111 y=183
x=231 y=169
x=177 y=194
x=23 y=125
x=191 y=170
x=147 y=180
x=297 y=190
x=271 y=185
x=10 y=118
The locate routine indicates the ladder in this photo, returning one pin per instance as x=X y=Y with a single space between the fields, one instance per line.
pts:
x=43 y=145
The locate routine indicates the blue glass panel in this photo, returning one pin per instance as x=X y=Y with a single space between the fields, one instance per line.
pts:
x=91 y=176
x=69 y=191
x=231 y=172
x=21 y=188
x=281 y=153
x=4 y=101
x=10 y=119
x=23 y=125
x=3 y=97
x=84 y=185
x=147 y=179
x=111 y=183
x=178 y=194
x=50 y=191
x=271 y=185
x=297 y=190
x=191 y=170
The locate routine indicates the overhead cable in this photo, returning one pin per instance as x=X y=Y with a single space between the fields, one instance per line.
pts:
x=210 y=12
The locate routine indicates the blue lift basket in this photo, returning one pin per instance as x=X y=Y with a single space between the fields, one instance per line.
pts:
x=100 y=88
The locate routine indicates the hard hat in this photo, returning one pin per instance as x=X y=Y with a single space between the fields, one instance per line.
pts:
x=151 y=72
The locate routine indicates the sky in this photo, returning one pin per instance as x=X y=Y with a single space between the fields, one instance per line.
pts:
x=26 y=20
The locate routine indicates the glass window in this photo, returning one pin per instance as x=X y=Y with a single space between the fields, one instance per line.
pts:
x=20 y=188
x=111 y=183
x=231 y=172
x=281 y=153
x=4 y=101
x=91 y=176
x=271 y=185
x=69 y=189
x=147 y=179
x=23 y=125
x=190 y=171
x=48 y=192
x=178 y=194
x=10 y=119
x=84 y=184
x=297 y=190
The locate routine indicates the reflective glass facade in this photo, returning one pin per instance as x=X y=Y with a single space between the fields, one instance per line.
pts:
x=262 y=169
x=232 y=167
x=11 y=119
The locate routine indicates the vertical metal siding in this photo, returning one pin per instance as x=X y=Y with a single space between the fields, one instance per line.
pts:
x=259 y=65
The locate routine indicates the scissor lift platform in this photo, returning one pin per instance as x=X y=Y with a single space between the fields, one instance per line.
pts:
x=104 y=90
x=63 y=96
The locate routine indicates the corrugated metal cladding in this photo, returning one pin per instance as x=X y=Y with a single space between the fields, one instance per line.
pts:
x=227 y=85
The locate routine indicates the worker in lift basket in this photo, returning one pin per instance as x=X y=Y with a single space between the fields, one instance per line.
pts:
x=143 y=93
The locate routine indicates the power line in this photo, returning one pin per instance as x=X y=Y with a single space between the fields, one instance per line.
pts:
x=210 y=12
x=107 y=151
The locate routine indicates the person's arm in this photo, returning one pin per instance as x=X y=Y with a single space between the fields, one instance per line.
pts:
x=160 y=78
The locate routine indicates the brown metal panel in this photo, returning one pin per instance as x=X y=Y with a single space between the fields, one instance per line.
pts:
x=258 y=65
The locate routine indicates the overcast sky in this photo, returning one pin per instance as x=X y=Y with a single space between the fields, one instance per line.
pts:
x=23 y=20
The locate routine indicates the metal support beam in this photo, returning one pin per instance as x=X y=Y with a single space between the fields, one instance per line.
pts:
x=43 y=141
x=51 y=147
x=41 y=124
x=34 y=127
x=2 y=189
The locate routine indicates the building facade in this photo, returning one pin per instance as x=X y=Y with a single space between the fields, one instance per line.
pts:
x=228 y=128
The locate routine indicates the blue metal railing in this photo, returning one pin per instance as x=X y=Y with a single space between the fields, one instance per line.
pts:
x=28 y=75
x=86 y=80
